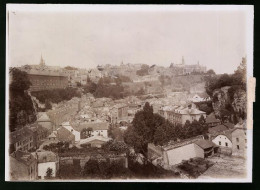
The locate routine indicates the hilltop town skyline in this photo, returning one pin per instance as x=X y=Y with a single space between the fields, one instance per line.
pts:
x=87 y=39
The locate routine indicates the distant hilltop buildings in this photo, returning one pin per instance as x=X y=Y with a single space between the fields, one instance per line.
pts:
x=183 y=69
x=45 y=77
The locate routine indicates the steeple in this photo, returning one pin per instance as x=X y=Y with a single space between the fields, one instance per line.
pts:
x=182 y=61
x=42 y=62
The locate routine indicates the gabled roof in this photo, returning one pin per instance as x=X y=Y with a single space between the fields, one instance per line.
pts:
x=217 y=129
x=229 y=125
x=90 y=139
x=212 y=119
x=64 y=134
x=45 y=156
x=23 y=157
x=43 y=117
x=20 y=135
x=204 y=144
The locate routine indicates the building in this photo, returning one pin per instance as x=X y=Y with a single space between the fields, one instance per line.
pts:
x=64 y=135
x=45 y=121
x=39 y=134
x=97 y=128
x=43 y=77
x=95 y=141
x=212 y=121
x=200 y=97
x=67 y=126
x=23 y=166
x=119 y=113
x=232 y=140
x=183 y=69
x=21 y=139
x=174 y=153
x=45 y=160
x=178 y=115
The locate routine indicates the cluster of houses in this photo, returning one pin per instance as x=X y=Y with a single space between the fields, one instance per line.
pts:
x=226 y=139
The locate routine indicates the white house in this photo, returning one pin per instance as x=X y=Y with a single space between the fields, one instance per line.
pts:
x=45 y=160
x=223 y=141
x=67 y=126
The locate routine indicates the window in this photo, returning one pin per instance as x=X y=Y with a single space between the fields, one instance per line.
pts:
x=226 y=144
x=219 y=143
x=237 y=139
x=237 y=147
x=245 y=141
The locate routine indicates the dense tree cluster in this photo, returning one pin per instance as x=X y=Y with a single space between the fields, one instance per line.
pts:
x=117 y=146
x=152 y=128
x=21 y=108
x=105 y=169
x=143 y=71
x=105 y=89
x=56 y=95
x=236 y=80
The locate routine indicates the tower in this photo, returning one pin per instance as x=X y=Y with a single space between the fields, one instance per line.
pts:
x=42 y=62
x=182 y=61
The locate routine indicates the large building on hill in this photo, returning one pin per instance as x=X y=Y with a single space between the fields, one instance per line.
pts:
x=45 y=77
x=178 y=115
x=183 y=69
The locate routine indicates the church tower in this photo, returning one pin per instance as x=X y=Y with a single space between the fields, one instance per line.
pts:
x=42 y=62
x=182 y=61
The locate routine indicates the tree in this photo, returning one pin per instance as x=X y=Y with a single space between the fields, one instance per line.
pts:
x=211 y=72
x=91 y=168
x=20 y=82
x=49 y=173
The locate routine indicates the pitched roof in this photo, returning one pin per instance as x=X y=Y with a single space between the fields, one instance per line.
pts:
x=229 y=125
x=46 y=156
x=212 y=119
x=100 y=138
x=64 y=134
x=217 y=129
x=44 y=117
x=93 y=125
x=23 y=157
x=204 y=144
x=20 y=135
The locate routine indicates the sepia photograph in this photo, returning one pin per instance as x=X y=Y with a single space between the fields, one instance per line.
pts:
x=156 y=93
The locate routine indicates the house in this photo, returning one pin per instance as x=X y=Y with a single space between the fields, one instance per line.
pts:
x=23 y=166
x=39 y=134
x=45 y=160
x=65 y=135
x=200 y=97
x=119 y=113
x=53 y=136
x=178 y=115
x=212 y=121
x=73 y=131
x=229 y=125
x=95 y=141
x=190 y=148
x=97 y=128
x=44 y=120
x=217 y=129
x=21 y=139
x=234 y=140
x=174 y=153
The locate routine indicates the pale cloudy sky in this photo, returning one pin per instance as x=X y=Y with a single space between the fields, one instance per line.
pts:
x=217 y=39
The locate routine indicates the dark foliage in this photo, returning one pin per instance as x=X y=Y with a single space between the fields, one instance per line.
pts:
x=56 y=95
x=21 y=108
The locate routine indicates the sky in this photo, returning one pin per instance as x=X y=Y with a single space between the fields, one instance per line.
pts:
x=95 y=36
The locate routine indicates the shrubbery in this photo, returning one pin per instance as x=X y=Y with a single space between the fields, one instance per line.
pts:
x=56 y=95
